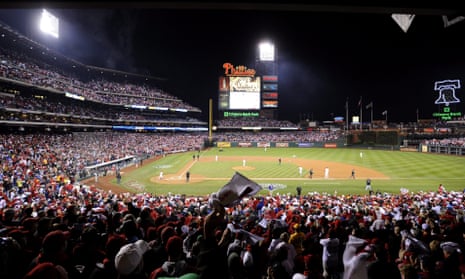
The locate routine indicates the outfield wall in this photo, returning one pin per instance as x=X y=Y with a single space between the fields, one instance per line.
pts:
x=228 y=144
x=443 y=149
x=335 y=144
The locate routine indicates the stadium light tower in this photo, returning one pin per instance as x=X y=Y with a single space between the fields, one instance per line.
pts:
x=49 y=24
x=267 y=52
x=266 y=66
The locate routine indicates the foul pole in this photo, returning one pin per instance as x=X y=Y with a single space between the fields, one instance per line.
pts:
x=210 y=119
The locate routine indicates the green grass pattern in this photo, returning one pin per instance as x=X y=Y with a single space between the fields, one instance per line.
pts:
x=412 y=170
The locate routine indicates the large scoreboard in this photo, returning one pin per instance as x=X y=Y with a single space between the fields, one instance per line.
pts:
x=243 y=94
x=239 y=93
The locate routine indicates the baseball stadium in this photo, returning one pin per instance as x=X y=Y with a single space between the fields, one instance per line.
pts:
x=105 y=173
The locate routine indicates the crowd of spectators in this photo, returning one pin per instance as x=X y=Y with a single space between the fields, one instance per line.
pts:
x=54 y=227
x=58 y=109
x=452 y=141
x=84 y=232
x=54 y=110
x=285 y=136
x=14 y=66
x=43 y=160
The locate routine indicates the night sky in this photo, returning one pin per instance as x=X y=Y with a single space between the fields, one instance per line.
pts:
x=323 y=57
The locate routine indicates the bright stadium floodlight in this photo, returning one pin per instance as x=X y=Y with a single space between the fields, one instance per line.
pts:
x=49 y=24
x=266 y=51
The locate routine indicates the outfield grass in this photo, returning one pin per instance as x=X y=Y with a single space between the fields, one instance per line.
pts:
x=412 y=170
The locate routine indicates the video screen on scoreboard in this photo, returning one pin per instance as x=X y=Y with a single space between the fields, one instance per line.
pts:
x=243 y=93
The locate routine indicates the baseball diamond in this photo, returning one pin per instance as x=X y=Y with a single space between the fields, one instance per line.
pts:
x=389 y=170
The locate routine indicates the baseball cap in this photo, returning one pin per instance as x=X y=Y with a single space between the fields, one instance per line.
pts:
x=130 y=256
x=450 y=247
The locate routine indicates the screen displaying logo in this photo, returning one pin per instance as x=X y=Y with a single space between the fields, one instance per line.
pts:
x=446 y=89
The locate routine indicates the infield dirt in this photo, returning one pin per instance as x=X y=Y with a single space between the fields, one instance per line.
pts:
x=337 y=171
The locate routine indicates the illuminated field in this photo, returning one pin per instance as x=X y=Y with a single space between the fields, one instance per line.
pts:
x=388 y=170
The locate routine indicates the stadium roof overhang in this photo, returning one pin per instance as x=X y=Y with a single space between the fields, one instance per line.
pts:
x=444 y=7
